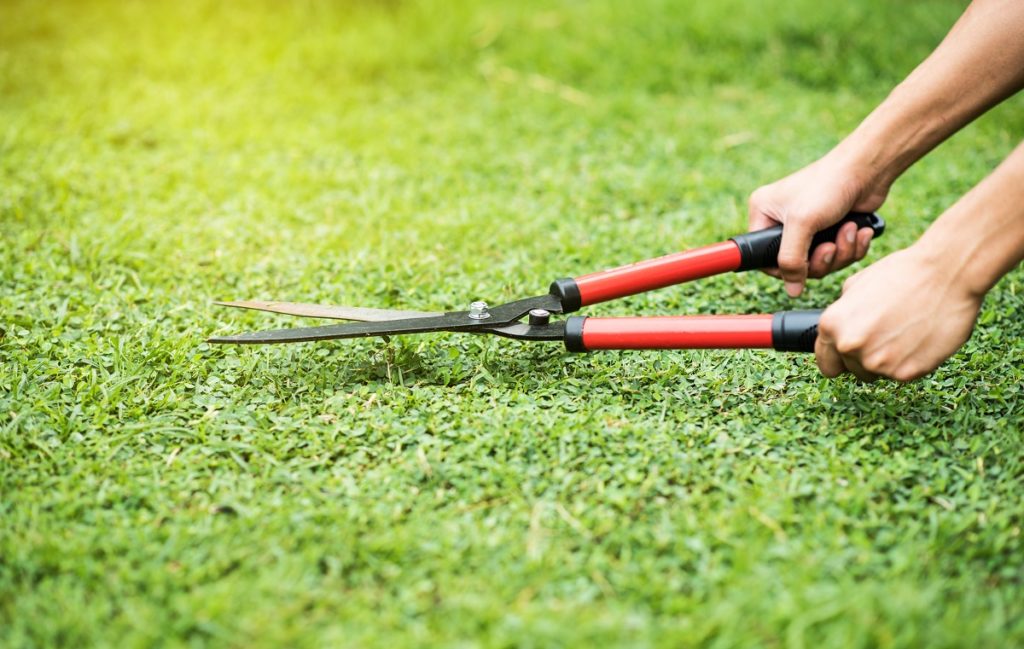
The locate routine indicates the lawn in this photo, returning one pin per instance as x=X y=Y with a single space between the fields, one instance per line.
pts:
x=456 y=490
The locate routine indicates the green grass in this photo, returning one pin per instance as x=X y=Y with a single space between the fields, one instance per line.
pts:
x=462 y=491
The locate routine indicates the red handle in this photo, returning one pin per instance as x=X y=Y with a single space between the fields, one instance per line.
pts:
x=657 y=273
x=757 y=249
x=670 y=332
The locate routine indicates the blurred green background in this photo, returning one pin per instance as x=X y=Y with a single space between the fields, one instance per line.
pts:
x=448 y=490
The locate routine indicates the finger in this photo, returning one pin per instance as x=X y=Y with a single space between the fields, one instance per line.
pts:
x=830 y=362
x=846 y=246
x=854 y=366
x=821 y=260
x=796 y=240
x=758 y=220
x=864 y=236
x=760 y=210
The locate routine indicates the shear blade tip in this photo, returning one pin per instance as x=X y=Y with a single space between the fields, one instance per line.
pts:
x=220 y=340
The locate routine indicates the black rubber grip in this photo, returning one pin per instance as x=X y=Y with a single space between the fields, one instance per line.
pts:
x=568 y=293
x=795 y=331
x=760 y=249
x=574 y=333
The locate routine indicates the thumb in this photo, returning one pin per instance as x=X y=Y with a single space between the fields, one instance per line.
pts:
x=796 y=240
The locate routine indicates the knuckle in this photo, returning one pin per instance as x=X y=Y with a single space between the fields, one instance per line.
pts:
x=799 y=216
x=829 y=372
x=790 y=260
x=908 y=372
x=877 y=362
x=759 y=199
x=849 y=344
x=902 y=375
x=827 y=323
x=757 y=196
x=797 y=221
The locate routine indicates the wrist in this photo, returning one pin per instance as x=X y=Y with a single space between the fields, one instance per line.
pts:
x=951 y=264
x=981 y=237
x=865 y=183
x=895 y=135
x=964 y=248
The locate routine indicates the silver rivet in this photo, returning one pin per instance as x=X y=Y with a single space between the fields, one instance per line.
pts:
x=478 y=311
x=539 y=316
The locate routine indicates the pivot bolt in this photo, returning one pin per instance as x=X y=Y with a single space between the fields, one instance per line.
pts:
x=478 y=311
x=539 y=316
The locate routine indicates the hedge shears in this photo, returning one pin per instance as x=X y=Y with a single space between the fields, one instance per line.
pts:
x=531 y=318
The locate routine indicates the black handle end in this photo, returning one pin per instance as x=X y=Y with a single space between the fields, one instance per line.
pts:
x=862 y=219
x=574 y=333
x=760 y=249
x=568 y=293
x=795 y=331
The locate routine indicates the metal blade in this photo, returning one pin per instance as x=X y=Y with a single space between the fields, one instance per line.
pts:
x=305 y=309
x=353 y=330
x=498 y=318
x=517 y=331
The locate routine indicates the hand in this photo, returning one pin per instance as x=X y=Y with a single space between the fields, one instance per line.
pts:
x=899 y=318
x=810 y=200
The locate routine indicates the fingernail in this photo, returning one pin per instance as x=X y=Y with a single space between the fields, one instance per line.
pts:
x=851 y=235
x=828 y=258
x=793 y=289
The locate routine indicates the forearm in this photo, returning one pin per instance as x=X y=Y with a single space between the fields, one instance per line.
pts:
x=978 y=64
x=902 y=316
x=981 y=237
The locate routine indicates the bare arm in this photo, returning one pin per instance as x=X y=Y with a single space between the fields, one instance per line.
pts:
x=904 y=315
x=977 y=65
